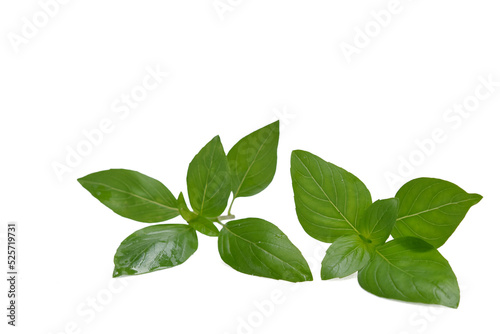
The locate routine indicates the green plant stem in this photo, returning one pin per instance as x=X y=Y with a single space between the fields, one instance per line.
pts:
x=230 y=207
x=228 y=217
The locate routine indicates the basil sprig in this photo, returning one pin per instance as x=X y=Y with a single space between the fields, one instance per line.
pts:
x=334 y=206
x=252 y=246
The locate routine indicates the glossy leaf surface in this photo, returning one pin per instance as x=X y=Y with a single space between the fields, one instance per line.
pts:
x=132 y=195
x=378 y=220
x=410 y=269
x=252 y=161
x=345 y=256
x=431 y=209
x=256 y=247
x=208 y=180
x=154 y=248
x=329 y=200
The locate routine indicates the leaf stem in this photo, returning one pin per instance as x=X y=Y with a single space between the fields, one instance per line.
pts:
x=230 y=207
x=228 y=217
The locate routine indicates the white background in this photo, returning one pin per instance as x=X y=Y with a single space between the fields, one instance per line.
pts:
x=230 y=74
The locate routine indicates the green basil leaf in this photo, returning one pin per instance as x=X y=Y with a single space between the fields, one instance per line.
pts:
x=410 y=269
x=252 y=161
x=378 y=220
x=329 y=200
x=345 y=256
x=199 y=223
x=256 y=247
x=208 y=180
x=154 y=248
x=132 y=195
x=431 y=209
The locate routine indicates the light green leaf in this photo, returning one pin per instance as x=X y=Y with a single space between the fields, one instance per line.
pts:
x=329 y=200
x=132 y=195
x=345 y=256
x=208 y=180
x=378 y=220
x=431 y=209
x=410 y=269
x=199 y=223
x=154 y=248
x=252 y=161
x=256 y=247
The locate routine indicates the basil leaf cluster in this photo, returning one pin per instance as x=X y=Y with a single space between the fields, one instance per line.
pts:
x=391 y=243
x=334 y=206
x=252 y=246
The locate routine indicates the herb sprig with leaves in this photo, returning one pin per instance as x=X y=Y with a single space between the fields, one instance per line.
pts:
x=252 y=246
x=334 y=206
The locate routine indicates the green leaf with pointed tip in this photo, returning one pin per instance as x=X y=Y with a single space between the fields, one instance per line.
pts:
x=410 y=269
x=378 y=220
x=199 y=223
x=252 y=161
x=256 y=247
x=154 y=248
x=431 y=209
x=132 y=195
x=345 y=256
x=329 y=200
x=208 y=180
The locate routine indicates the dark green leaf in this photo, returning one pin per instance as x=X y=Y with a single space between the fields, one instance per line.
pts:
x=132 y=195
x=345 y=256
x=252 y=161
x=329 y=200
x=410 y=269
x=154 y=248
x=378 y=220
x=199 y=223
x=431 y=209
x=208 y=180
x=256 y=247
